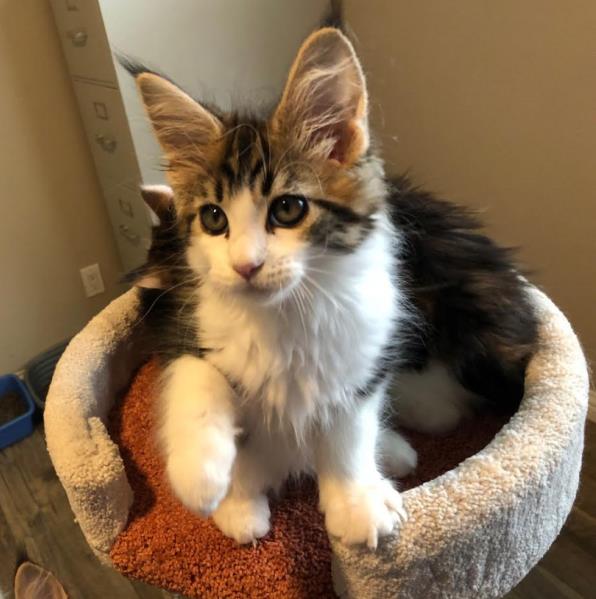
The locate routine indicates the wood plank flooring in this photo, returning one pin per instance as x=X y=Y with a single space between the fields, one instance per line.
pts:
x=36 y=521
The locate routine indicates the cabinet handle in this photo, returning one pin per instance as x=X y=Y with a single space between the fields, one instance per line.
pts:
x=125 y=207
x=126 y=232
x=107 y=144
x=78 y=38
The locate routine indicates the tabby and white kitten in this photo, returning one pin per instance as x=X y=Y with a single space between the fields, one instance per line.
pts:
x=300 y=284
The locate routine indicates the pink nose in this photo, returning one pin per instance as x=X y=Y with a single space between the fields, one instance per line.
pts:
x=248 y=270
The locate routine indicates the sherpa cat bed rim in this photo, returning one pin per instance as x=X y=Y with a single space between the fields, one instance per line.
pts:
x=474 y=531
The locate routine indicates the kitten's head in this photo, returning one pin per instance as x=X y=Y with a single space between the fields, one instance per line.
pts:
x=260 y=201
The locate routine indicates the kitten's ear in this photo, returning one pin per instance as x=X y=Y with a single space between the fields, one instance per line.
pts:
x=145 y=277
x=159 y=199
x=187 y=131
x=324 y=106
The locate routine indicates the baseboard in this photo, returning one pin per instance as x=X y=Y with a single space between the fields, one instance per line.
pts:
x=592 y=406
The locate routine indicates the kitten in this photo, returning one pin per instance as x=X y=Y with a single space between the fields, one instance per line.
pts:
x=300 y=285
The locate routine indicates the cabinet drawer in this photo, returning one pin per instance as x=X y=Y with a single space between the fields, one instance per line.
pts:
x=84 y=40
x=107 y=130
x=131 y=253
x=130 y=223
x=109 y=136
x=130 y=216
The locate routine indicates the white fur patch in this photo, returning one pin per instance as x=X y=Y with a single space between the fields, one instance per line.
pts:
x=397 y=456
x=198 y=433
x=432 y=400
x=243 y=519
x=362 y=513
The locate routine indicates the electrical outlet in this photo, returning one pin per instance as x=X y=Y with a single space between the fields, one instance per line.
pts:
x=92 y=281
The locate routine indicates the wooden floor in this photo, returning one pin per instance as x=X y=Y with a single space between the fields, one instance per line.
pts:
x=36 y=521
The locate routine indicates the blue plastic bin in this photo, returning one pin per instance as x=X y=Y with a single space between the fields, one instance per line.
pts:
x=22 y=425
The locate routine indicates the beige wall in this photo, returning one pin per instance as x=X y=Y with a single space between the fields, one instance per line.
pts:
x=52 y=220
x=229 y=52
x=489 y=103
x=493 y=104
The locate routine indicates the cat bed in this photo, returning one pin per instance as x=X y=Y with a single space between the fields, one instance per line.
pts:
x=473 y=531
x=168 y=546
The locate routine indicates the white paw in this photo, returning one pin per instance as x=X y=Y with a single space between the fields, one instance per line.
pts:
x=200 y=479
x=362 y=513
x=244 y=520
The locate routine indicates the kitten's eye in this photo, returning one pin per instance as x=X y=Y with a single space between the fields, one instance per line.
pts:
x=213 y=219
x=287 y=211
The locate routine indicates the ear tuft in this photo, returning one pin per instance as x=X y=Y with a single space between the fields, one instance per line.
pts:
x=131 y=65
x=324 y=106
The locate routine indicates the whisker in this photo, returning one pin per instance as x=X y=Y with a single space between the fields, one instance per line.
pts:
x=333 y=300
x=320 y=270
x=185 y=282
x=308 y=294
x=298 y=307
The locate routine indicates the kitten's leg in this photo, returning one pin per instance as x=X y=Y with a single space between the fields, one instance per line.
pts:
x=244 y=514
x=261 y=464
x=198 y=433
x=360 y=505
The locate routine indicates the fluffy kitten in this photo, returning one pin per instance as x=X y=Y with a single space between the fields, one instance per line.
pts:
x=299 y=285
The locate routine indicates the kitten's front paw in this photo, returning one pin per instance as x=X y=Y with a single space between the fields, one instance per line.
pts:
x=200 y=480
x=244 y=520
x=361 y=513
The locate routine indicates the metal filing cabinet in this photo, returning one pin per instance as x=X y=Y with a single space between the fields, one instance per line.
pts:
x=91 y=67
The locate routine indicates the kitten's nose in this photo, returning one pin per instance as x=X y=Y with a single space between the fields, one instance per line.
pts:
x=248 y=270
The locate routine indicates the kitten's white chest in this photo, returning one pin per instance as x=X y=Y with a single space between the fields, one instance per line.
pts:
x=298 y=363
